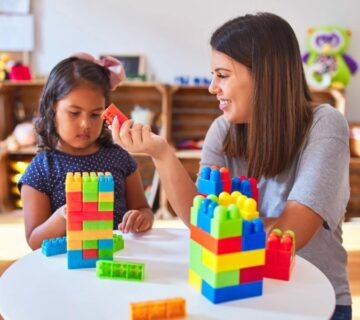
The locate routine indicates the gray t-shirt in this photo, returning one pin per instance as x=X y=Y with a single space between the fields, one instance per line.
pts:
x=317 y=178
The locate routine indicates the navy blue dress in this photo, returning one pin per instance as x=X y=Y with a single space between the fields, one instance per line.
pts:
x=47 y=172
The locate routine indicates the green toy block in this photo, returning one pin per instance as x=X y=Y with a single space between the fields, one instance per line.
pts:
x=120 y=270
x=195 y=208
x=90 y=244
x=226 y=222
x=98 y=225
x=90 y=197
x=105 y=253
x=118 y=242
x=90 y=183
x=215 y=279
x=106 y=206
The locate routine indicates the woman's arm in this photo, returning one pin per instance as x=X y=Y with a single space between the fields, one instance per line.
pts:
x=175 y=180
x=304 y=221
x=40 y=223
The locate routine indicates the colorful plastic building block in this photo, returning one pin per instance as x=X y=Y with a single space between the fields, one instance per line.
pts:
x=110 y=112
x=280 y=255
x=54 y=246
x=227 y=246
x=158 y=309
x=118 y=241
x=90 y=216
x=120 y=270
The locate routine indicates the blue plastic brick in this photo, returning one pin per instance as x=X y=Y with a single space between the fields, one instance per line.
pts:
x=254 y=236
x=54 y=246
x=210 y=181
x=241 y=291
x=105 y=244
x=243 y=186
x=76 y=261
x=106 y=183
x=205 y=214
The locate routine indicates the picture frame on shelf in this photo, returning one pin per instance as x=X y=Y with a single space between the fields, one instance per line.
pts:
x=134 y=65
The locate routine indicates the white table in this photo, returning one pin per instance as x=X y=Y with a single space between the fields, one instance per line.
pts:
x=37 y=287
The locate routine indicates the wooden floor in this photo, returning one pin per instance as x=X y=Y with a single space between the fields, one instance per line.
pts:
x=13 y=246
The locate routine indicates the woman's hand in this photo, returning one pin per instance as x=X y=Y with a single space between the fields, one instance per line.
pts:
x=138 y=138
x=137 y=221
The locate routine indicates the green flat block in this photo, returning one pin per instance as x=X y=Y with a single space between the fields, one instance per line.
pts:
x=118 y=242
x=105 y=253
x=120 y=270
x=90 y=197
x=106 y=206
x=215 y=279
x=226 y=222
x=90 y=244
x=98 y=225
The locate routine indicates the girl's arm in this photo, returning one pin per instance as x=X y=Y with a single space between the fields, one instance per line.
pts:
x=179 y=187
x=304 y=221
x=40 y=223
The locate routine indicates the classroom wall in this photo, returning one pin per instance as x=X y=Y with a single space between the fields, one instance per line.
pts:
x=174 y=35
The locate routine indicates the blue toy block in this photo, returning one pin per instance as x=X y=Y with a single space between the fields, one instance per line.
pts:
x=105 y=244
x=76 y=260
x=54 y=246
x=210 y=181
x=106 y=183
x=241 y=291
x=254 y=236
x=205 y=214
x=243 y=186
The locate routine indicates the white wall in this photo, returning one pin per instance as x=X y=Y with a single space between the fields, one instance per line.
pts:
x=174 y=35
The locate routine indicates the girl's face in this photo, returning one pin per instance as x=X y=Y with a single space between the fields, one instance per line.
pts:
x=77 y=120
x=232 y=84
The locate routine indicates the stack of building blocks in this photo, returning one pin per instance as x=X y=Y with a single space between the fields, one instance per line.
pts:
x=89 y=224
x=120 y=270
x=111 y=112
x=54 y=246
x=158 y=309
x=227 y=245
x=280 y=254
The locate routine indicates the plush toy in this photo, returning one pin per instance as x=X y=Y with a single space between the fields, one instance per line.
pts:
x=326 y=63
x=4 y=68
x=22 y=136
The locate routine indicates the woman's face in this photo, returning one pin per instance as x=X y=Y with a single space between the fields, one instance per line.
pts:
x=232 y=85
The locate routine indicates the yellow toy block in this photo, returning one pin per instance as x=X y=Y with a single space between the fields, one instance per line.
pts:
x=74 y=244
x=248 y=210
x=106 y=196
x=89 y=235
x=195 y=280
x=233 y=261
x=73 y=182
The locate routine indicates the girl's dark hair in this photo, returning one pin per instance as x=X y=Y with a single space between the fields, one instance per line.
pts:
x=64 y=77
x=281 y=101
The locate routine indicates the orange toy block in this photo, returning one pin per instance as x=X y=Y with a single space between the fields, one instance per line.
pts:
x=110 y=112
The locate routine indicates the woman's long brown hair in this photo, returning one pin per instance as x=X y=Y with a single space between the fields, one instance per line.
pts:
x=281 y=111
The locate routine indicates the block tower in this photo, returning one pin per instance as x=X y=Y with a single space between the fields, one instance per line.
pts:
x=227 y=245
x=90 y=213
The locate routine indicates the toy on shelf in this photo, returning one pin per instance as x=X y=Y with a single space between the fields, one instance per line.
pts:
x=4 y=66
x=280 y=255
x=227 y=245
x=54 y=246
x=89 y=223
x=326 y=63
x=158 y=309
x=20 y=72
x=120 y=270
x=110 y=112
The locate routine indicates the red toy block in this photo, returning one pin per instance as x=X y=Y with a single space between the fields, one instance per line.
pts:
x=90 y=206
x=280 y=255
x=93 y=216
x=74 y=226
x=217 y=246
x=110 y=112
x=254 y=189
x=90 y=254
x=251 y=274
x=226 y=179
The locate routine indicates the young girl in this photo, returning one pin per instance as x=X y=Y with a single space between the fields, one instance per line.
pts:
x=270 y=130
x=73 y=138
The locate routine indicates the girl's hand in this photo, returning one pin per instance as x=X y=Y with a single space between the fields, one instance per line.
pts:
x=138 y=138
x=137 y=221
x=61 y=212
